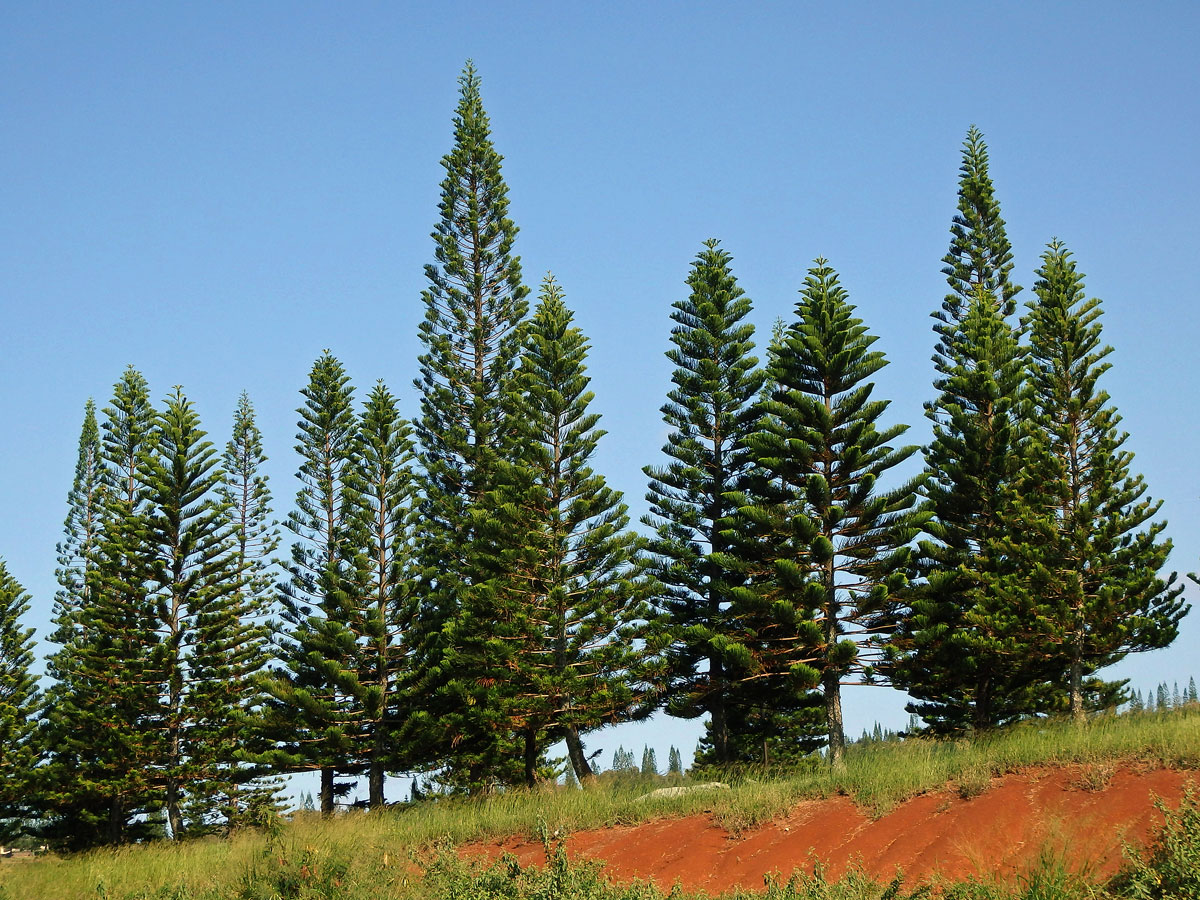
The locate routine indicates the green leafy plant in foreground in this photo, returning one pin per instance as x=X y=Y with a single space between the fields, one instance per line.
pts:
x=1170 y=867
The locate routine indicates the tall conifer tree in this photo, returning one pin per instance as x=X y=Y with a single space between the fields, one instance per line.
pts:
x=474 y=306
x=381 y=493
x=246 y=493
x=311 y=711
x=965 y=648
x=208 y=649
x=102 y=715
x=77 y=550
x=819 y=436
x=1103 y=569
x=580 y=584
x=710 y=411
x=18 y=708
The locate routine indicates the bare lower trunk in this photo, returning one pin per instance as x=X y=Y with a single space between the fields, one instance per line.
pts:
x=719 y=729
x=832 y=687
x=579 y=763
x=531 y=757
x=174 y=816
x=115 y=831
x=1077 y=664
x=375 y=777
x=982 y=716
x=326 y=790
x=1077 y=712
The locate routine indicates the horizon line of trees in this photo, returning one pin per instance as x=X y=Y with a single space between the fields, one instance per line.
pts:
x=463 y=590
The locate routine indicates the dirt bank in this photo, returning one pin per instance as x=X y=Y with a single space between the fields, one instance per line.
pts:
x=1083 y=813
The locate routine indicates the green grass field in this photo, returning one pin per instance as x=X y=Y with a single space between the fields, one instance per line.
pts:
x=384 y=855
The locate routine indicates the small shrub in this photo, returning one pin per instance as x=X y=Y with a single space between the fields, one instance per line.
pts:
x=1170 y=867
x=1094 y=776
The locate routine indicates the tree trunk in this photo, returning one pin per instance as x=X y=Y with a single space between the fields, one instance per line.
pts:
x=326 y=790
x=831 y=678
x=830 y=684
x=579 y=763
x=174 y=816
x=1077 y=712
x=115 y=830
x=375 y=775
x=982 y=715
x=719 y=731
x=531 y=757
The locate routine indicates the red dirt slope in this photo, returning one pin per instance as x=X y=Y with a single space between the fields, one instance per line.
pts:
x=1003 y=830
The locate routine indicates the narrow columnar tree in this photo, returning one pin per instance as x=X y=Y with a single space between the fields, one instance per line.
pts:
x=207 y=648
x=381 y=495
x=710 y=410
x=102 y=715
x=311 y=712
x=474 y=306
x=966 y=649
x=1107 y=553
x=19 y=702
x=674 y=762
x=578 y=581
x=247 y=494
x=819 y=435
x=77 y=550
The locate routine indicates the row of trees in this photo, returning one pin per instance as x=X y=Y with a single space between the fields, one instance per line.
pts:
x=464 y=590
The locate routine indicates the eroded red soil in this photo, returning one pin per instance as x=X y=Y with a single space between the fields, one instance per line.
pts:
x=1070 y=811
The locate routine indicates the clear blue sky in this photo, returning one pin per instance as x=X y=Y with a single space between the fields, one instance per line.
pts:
x=216 y=192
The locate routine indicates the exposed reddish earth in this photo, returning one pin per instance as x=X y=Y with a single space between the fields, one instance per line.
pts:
x=1071 y=811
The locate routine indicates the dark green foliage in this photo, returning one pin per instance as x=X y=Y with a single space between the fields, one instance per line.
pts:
x=101 y=724
x=19 y=702
x=474 y=307
x=710 y=411
x=832 y=547
x=210 y=648
x=380 y=487
x=577 y=584
x=1102 y=571
x=309 y=714
x=966 y=652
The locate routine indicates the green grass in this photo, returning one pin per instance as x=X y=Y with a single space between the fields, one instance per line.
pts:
x=382 y=855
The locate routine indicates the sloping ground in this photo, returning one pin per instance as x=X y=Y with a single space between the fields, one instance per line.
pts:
x=1081 y=813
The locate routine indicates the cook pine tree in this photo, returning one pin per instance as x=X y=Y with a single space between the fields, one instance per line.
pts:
x=966 y=652
x=475 y=303
x=710 y=410
x=246 y=493
x=19 y=702
x=578 y=574
x=207 y=647
x=101 y=718
x=1108 y=551
x=77 y=550
x=822 y=443
x=380 y=495
x=310 y=715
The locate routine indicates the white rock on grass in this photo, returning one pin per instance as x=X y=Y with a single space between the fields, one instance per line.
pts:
x=668 y=792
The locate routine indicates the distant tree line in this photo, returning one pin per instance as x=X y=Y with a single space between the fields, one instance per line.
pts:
x=464 y=590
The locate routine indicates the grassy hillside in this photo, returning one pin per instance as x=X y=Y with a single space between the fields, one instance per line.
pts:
x=384 y=855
